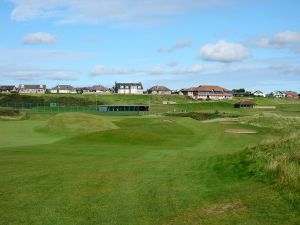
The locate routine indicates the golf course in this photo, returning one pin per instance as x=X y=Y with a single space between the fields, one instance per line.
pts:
x=191 y=162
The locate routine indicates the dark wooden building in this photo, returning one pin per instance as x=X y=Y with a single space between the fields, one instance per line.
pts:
x=244 y=104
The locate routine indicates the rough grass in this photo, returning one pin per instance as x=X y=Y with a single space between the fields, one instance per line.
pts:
x=278 y=162
x=272 y=120
x=77 y=124
x=202 y=116
x=9 y=112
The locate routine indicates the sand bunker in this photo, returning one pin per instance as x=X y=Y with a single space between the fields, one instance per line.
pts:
x=241 y=131
x=167 y=121
x=229 y=122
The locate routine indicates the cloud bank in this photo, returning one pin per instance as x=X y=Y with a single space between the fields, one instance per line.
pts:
x=95 y=11
x=287 y=39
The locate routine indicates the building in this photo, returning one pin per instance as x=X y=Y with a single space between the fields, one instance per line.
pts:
x=32 y=89
x=120 y=108
x=128 y=88
x=277 y=94
x=258 y=94
x=208 y=92
x=159 y=90
x=292 y=94
x=63 y=89
x=244 y=104
x=8 y=89
x=96 y=89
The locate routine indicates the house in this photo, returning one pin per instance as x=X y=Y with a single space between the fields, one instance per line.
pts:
x=159 y=90
x=208 y=92
x=8 y=89
x=32 y=89
x=96 y=89
x=258 y=94
x=128 y=88
x=292 y=94
x=277 y=94
x=63 y=89
x=244 y=104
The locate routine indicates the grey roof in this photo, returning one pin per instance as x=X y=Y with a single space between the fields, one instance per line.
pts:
x=32 y=86
x=63 y=87
x=159 y=88
x=98 y=88
x=7 y=87
x=118 y=85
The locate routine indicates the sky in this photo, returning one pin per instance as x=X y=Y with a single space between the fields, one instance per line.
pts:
x=252 y=44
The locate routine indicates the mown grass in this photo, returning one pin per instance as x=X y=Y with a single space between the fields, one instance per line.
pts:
x=143 y=170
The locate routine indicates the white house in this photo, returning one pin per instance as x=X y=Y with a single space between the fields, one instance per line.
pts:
x=208 y=92
x=32 y=89
x=63 y=89
x=128 y=88
x=258 y=94
x=277 y=94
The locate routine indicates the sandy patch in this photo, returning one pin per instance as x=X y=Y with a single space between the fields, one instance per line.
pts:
x=167 y=121
x=229 y=122
x=241 y=131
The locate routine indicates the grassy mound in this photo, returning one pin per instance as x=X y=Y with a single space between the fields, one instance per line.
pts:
x=152 y=132
x=272 y=120
x=77 y=123
x=278 y=162
x=201 y=116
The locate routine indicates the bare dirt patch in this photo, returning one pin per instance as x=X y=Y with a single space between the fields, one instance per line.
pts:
x=241 y=131
x=198 y=215
x=167 y=121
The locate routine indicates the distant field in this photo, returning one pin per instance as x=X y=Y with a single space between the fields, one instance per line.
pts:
x=86 y=168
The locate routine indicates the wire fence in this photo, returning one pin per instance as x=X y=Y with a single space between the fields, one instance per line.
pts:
x=60 y=108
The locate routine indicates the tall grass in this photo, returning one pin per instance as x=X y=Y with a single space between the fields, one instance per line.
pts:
x=278 y=162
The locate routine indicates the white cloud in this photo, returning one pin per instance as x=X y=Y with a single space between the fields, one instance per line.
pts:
x=288 y=39
x=95 y=11
x=57 y=54
x=156 y=70
x=25 y=75
x=286 y=69
x=39 y=38
x=62 y=76
x=178 y=45
x=101 y=70
x=224 y=52
x=195 y=69
x=173 y=63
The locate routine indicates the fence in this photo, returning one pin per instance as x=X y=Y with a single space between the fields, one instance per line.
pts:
x=48 y=107
x=58 y=108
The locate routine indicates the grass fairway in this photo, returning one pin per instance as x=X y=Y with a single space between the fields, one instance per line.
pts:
x=86 y=169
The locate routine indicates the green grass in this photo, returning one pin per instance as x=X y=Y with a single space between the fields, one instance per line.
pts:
x=76 y=168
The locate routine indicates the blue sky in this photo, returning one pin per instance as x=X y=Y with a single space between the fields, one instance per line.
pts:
x=246 y=43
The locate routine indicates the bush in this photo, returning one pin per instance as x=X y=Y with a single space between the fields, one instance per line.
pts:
x=9 y=112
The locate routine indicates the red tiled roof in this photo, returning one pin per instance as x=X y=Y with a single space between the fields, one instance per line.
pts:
x=246 y=103
x=206 y=88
